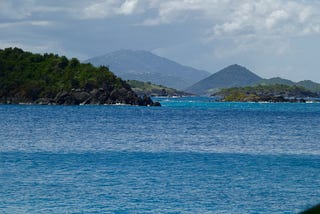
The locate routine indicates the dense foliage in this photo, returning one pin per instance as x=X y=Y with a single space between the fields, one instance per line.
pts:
x=276 y=92
x=310 y=85
x=26 y=77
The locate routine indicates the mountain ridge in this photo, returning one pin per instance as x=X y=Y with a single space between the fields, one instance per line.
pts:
x=147 y=67
x=239 y=76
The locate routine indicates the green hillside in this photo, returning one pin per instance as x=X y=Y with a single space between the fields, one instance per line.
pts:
x=51 y=79
x=269 y=93
x=149 y=89
x=308 y=84
x=231 y=76
x=312 y=86
x=239 y=76
x=275 y=80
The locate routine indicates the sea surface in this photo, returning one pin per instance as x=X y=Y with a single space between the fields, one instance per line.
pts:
x=191 y=155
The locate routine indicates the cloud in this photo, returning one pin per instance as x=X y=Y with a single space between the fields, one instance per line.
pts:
x=100 y=9
x=242 y=17
x=128 y=7
x=241 y=23
x=224 y=17
x=108 y=8
x=168 y=12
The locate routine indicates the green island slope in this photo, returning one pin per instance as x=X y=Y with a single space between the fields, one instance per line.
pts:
x=51 y=79
x=150 y=89
x=266 y=93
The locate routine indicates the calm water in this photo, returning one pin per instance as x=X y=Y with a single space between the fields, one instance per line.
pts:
x=188 y=156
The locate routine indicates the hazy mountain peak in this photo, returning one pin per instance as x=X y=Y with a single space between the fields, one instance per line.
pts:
x=145 y=66
x=231 y=76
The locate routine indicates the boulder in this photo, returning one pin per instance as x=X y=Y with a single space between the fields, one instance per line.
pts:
x=81 y=96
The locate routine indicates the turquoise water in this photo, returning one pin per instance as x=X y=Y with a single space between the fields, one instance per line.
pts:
x=191 y=155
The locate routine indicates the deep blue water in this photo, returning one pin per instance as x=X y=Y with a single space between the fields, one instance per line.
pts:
x=189 y=156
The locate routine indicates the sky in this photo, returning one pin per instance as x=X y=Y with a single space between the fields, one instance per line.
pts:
x=273 y=38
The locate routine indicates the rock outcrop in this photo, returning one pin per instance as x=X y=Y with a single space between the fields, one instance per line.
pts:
x=82 y=97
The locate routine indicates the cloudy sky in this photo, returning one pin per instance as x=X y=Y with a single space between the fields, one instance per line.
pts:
x=270 y=37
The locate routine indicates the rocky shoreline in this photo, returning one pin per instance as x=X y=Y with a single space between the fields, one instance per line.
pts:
x=267 y=93
x=267 y=99
x=85 y=97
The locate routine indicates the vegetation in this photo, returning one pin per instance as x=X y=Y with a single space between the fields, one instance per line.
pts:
x=149 y=89
x=312 y=86
x=238 y=76
x=28 y=77
x=308 y=84
x=271 y=93
x=275 y=80
x=231 y=76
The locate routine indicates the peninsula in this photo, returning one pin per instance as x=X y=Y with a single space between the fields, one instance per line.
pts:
x=51 y=79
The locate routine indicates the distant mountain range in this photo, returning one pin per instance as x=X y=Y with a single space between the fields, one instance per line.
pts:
x=239 y=76
x=148 y=67
x=308 y=84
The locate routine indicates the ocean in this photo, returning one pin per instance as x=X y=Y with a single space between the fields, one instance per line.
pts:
x=192 y=155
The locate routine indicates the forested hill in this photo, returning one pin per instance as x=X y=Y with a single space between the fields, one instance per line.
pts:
x=231 y=76
x=51 y=79
x=268 y=93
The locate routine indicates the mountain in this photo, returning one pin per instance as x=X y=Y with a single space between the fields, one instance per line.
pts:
x=149 y=89
x=147 y=67
x=231 y=76
x=276 y=80
x=50 y=79
x=308 y=84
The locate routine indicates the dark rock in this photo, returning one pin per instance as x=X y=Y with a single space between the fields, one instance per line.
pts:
x=95 y=96
x=81 y=96
x=65 y=98
x=146 y=101
x=99 y=96
x=156 y=104
x=45 y=101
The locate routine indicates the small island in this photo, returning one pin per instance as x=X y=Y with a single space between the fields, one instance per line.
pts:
x=266 y=93
x=49 y=79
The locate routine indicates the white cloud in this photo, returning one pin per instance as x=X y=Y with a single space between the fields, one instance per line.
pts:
x=128 y=7
x=226 y=17
x=242 y=22
x=100 y=9
x=242 y=17
x=107 y=8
